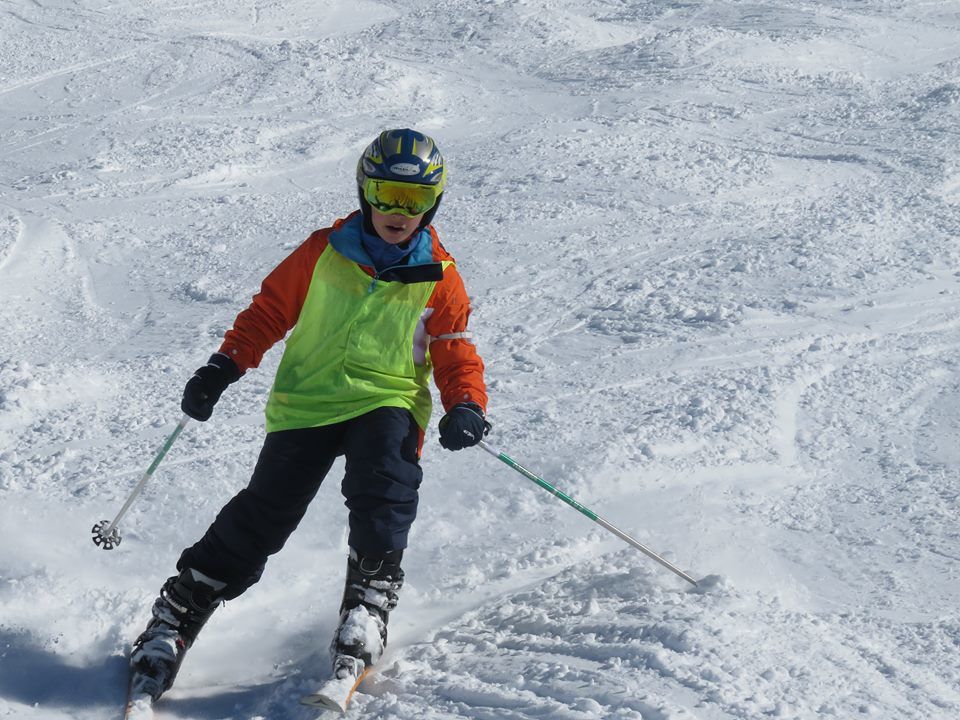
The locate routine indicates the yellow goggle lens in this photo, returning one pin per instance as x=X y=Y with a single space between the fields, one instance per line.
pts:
x=396 y=198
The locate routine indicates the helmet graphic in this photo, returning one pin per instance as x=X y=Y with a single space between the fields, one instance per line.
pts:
x=403 y=156
x=402 y=171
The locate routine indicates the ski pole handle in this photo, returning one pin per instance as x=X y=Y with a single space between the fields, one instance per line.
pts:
x=506 y=459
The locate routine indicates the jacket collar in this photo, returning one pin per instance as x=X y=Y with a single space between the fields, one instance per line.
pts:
x=347 y=239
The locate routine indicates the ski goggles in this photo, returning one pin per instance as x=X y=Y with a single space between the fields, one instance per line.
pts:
x=399 y=198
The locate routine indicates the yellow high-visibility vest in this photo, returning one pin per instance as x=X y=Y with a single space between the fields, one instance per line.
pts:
x=353 y=349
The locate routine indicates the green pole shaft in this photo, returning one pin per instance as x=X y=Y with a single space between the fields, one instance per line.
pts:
x=506 y=459
x=146 y=476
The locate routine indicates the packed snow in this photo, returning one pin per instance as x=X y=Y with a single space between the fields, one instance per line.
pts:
x=713 y=251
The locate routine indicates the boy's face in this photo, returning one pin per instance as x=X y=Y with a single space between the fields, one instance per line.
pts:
x=394 y=229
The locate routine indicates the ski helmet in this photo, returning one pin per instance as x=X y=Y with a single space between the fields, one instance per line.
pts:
x=402 y=171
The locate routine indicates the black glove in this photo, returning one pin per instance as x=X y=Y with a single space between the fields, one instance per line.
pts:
x=207 y=385
x=464 y=426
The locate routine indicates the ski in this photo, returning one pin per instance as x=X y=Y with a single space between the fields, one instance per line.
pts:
x=139 y=707
x=139 y=702
x=335 y=694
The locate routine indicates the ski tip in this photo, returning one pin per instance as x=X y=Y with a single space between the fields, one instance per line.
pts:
x=139 y=707
x=321 y=701
x=335 y=696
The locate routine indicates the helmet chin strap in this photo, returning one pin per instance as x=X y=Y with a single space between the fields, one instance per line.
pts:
x=365 y=211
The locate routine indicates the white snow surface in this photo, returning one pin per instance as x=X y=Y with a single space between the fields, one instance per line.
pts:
x=712 y=248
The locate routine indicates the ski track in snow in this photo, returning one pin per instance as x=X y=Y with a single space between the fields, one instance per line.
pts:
x=713 y=254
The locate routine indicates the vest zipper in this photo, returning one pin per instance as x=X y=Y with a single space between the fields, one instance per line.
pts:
x=376 y=277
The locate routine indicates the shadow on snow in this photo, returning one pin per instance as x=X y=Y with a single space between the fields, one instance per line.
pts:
x=35 y=676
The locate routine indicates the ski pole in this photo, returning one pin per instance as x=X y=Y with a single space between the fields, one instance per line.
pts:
x=585 y=511
x=105 y=534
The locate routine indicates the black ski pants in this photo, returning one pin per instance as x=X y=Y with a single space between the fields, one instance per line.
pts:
x=380 y=486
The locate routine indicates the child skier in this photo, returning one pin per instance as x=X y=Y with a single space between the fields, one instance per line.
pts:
x=375 y=302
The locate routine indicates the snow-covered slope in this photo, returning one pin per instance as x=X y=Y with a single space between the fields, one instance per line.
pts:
x=713 y=252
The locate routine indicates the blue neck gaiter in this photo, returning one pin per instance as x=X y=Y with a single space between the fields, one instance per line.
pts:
x=384 y=254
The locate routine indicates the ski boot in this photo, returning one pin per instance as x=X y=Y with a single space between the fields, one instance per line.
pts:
x=369 y=595
x=185 y=603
